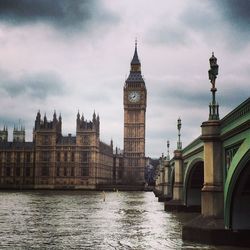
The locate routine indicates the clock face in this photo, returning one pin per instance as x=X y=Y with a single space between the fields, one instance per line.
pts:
x=134 y=96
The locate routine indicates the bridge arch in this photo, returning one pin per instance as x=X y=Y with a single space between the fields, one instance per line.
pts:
x=193 y=183
x=237 y=190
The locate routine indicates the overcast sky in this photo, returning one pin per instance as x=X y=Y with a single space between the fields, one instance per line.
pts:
x=68 y=55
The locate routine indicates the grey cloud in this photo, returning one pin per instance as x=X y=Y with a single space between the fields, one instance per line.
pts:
x=237 y=17
x=224 y=21
x=217 y=22
x=200 y=18
x=8 y=121
x=236 y=12
x=231 y=99
x=186 y=97
x=38 y=86
x=62 y=14
x=168 y=129
x=194 y=17
x=173 y=36
x=182 y=96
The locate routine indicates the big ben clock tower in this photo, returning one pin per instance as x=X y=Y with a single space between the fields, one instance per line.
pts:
x=135 y=102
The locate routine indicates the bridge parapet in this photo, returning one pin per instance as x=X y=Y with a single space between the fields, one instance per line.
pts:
x=237 y=119
x=193 y=148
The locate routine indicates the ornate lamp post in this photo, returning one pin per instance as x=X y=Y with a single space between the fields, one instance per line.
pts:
x=179 y=144
x=212 y=74
x=168 y=156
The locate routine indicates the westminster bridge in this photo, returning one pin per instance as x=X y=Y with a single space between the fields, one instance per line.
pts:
x=211 y=175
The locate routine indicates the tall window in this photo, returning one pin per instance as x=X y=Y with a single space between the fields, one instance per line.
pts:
x=72 y=156
x=84 y=156
x=27 y=172
x=18 y=172
x=85 y=169
x=72 y=171
x=46 y=140
x=18 y=157
x=45 y=171
x=58 y=156
x=65 y=156
x=8 y=157
x=28 y=157
x=7 y=171
x=58 y=171
x=45 y=156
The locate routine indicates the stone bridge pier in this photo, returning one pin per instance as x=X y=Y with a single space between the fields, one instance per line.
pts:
x=212 y=191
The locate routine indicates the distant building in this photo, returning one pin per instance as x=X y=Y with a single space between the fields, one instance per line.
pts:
x=54 y=161
x=151 y=170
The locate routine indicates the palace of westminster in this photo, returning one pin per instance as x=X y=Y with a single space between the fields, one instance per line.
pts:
x=54 y=161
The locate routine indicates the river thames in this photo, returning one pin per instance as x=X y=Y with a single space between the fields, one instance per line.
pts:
x=82 y=220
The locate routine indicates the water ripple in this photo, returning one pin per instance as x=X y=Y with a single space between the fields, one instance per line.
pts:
x=81 y=220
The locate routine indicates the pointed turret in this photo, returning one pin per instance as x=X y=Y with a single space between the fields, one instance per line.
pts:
x=54 y=116
x=135 y=69
x=45 y=119
x=54 y=122
x=78 y=120
x=38 y=116
x=98 y=124
x=94 y=117
x=135 y=60
x=60 y=123
x=38 y=120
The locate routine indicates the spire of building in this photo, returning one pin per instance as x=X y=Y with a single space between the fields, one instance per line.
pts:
x=135 y=60
x=54 y=116
x=135 y=69
x=94 y=116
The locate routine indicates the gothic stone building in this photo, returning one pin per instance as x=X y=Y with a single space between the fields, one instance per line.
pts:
x=54 y=161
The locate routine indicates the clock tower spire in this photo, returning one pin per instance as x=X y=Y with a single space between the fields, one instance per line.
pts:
x=134 y=102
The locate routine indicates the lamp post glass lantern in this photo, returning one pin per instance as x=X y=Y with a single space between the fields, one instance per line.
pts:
x=212 y=75
x=168 y=156
x=179 y=146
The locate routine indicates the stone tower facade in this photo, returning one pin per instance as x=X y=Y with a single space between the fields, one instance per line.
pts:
x=135 y=102
x=19 y=134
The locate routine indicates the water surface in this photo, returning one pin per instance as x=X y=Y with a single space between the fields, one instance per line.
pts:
x=82 y=220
